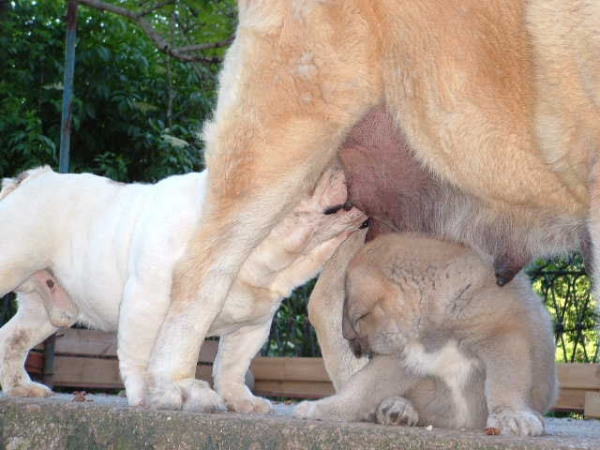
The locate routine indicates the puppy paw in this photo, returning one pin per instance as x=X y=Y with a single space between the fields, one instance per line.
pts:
x=516 y=421
x=165 y=396
x=199 y=397
x=396 y=411
x=249 y=405
x=31 y=389
x=307 y=410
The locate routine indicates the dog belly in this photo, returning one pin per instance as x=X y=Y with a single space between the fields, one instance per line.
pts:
x=98 y=297
x=473 y=127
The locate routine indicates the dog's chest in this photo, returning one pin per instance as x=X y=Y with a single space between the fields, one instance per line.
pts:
x=448 y=364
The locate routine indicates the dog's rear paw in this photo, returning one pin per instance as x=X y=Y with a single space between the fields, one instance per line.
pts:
x=165 y=396
x=188 y=394
x=307 y=410
x=199 y=397
x=396 y=411
x=254 y=405
x=31 y=389
x=520 y=422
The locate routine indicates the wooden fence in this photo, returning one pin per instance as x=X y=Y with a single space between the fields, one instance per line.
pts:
x=88 y=359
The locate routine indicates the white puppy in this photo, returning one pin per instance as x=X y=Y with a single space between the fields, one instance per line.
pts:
x=82 y=248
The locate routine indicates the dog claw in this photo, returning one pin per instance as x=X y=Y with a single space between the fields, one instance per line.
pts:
x=333 y=209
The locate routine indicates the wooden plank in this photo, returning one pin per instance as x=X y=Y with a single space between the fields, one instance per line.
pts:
x=570 y=400
x=289 y=369
x=579 y=376
x=208 y=351
x=592 y=405
x=87 y=372
x=34 y=364
x=93 y=343
x=99 y=373
x=293 y=389
x=86 y=343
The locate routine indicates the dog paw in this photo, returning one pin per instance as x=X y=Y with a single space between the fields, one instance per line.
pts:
x=165 y=396
x=31 y=389
x=248 y=404
x=396 y=411
x=516 y=421
x=307 y=410
x=199 y=397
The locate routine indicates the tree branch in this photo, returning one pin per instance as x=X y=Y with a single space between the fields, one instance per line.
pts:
x=152 y=8
x=159 y=41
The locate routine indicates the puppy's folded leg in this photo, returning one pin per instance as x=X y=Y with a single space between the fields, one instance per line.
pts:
x=325 y=313
x=508 y=385
x=27 y=328
x=236 y=350
x=360 y=397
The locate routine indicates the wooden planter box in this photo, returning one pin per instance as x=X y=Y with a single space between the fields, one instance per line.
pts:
x=88 y=359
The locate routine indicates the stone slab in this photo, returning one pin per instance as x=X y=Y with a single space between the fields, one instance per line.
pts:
x=106 y=422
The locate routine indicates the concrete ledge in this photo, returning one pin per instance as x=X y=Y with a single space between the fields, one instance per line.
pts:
x=107 y=423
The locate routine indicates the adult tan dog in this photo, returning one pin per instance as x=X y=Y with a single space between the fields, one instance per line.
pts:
x=500 y=98
x=82 y=248
x=450 y=348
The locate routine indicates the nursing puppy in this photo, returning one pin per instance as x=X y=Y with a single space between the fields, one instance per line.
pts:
x=82 y=248
x=498 y=98
x=450 y=348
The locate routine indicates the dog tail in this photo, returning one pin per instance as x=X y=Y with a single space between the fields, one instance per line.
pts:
x=10 y=184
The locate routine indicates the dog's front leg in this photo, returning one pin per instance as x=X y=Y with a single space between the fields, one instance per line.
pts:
x=293 y=84
x=236 y=350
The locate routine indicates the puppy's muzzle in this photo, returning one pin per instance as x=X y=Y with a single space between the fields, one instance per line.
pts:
x=358 y=345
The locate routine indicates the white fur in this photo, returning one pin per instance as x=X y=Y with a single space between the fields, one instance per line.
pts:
x=450 y=365
x=112 y=247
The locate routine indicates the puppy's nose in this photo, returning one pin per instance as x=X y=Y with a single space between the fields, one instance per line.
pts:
x=356 y=347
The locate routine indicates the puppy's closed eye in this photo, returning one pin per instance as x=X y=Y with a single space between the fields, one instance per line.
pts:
x=362 y=316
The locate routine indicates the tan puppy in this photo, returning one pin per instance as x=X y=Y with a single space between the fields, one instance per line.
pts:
x=490 y=96
x=450 y=348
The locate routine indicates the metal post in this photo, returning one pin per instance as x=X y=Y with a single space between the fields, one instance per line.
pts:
x=67 y=107
x=65 y=144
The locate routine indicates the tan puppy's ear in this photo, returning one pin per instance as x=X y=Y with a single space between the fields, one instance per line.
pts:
x=463 y=275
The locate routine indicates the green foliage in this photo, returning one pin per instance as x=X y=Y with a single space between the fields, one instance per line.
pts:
x=136 y=117
x=566 y=290
x=291 y=332
x=137 y=112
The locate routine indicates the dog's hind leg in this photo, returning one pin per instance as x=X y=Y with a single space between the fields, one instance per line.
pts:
x=287 y=99
x=236 y=350
x=30 y=326
x=234 y=224
x=325 y=313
